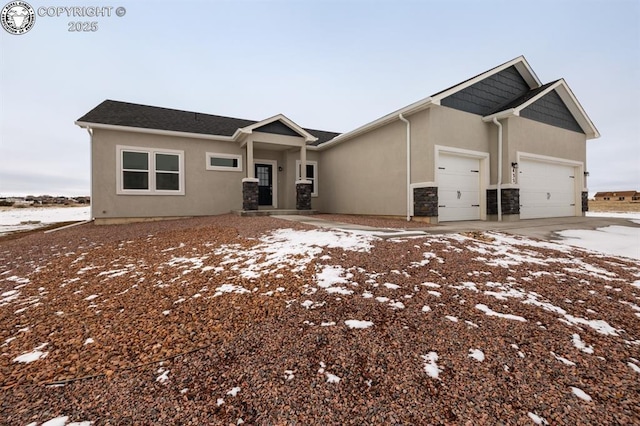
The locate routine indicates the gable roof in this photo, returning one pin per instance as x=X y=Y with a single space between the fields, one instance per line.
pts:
x=515 y=107
x=117 y=114
x=519 y=63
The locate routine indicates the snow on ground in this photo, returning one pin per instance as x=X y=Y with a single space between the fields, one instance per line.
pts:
x=614 y=240
x=293 y=250
x=16 y=219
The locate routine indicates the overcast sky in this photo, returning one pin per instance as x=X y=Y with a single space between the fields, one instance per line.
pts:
x=330 y=65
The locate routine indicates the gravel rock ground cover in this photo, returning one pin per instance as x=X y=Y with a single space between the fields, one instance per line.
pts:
x=229 y=320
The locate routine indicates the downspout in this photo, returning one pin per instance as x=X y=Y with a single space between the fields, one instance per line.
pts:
x=90 y=131
x=401 y=117
x=499 y=186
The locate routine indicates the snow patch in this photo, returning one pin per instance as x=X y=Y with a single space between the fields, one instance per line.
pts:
x=580 y=394
x=30 y=356
x=358 y=324
x=430 y=365
x=476 y=354
x=579 y=344
x=537 y=419
x=488 y=311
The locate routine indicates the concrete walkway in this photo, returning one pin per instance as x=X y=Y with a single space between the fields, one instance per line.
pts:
x=545 y=229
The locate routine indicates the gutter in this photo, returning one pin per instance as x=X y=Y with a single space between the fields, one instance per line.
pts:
x=499 y=186
x=88 y=125
x=401 y=117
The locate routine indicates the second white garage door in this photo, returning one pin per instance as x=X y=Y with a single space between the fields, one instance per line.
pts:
x=546 y=189
x=458 y=188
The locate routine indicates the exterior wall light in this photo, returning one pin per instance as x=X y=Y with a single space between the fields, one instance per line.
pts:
x=586 y=174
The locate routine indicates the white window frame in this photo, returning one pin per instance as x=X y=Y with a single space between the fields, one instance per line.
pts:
x=223 y=168
x=151 y=170
x=314 y=178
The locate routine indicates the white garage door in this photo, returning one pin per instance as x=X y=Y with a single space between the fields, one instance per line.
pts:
x=458 y=188
x=546 y=189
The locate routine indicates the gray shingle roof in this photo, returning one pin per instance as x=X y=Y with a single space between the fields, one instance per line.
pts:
x=150 y=117
x=514 y=103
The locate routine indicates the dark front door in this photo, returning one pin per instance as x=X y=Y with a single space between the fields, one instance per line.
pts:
x=265 y=184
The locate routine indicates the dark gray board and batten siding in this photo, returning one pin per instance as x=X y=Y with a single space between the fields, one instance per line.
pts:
x=502 y=91
x=486 y=95
x=550 y=109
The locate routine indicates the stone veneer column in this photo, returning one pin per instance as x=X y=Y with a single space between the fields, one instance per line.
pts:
x=425 y=202
x=585 y=202
x=510 y=201
x=303 y=195
x=249 y=194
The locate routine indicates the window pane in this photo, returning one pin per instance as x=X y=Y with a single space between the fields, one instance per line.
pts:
x=224 y=162
x=135 y=180
x=167 y=182
x=167 y=162
x=135 y=160
x=309 y=171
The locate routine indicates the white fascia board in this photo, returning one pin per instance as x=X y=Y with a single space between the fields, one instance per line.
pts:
x=500 y=115
x=281 y=117
x=527 y=73
x=88 y=125
x=572 y=104
x=521 y=65
x=576 y=109
x=409 y=109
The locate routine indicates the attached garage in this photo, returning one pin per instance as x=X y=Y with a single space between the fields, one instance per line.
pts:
x=458 y=187
x=547 y=189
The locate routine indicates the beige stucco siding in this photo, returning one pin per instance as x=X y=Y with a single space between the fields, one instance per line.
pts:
x=524 y=135
x=452 y=128
x=207 y=192
x=365 y=175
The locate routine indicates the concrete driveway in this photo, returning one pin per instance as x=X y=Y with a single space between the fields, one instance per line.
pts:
x=544 y=229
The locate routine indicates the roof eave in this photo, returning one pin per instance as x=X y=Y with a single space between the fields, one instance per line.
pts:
x=520 y=63
x=309 y=138
x=90 y=125
x=408 y=110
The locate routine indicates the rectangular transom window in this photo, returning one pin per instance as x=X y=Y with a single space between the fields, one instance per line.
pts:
x=224 y=162
x=150 y=171
x=312 y=175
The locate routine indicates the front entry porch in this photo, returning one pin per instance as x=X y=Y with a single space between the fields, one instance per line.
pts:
x=276 y=168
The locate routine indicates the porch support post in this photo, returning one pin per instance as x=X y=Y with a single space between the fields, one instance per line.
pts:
x=303 y=162
x=250 y=167
x=303 y=186
x=250 y=183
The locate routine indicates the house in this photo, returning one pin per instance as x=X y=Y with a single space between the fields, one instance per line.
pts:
x=626 y=196
x=499 y=146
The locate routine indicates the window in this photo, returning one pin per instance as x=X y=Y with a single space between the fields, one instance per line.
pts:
x=312 y=175
x=149 y=171
x=224 y=162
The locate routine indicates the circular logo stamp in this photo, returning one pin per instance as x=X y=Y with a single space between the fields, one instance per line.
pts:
x=17 y=17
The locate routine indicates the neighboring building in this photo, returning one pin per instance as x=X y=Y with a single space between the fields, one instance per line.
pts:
x=501 y=135
x=627 y=196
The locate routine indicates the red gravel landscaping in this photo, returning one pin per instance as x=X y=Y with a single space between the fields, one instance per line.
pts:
x=228 y=320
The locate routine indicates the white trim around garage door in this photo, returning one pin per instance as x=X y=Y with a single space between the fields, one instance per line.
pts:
x=484 y=172
x=578 y=174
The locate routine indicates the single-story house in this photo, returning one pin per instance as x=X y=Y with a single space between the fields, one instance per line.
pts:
x=627 y=196
x=499 y=146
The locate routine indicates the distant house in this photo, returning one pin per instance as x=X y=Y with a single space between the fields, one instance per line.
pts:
x=500 y=145
x=627 y=196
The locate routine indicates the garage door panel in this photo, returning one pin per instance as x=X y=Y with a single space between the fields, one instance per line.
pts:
x=546 y=189
x=458 y=188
